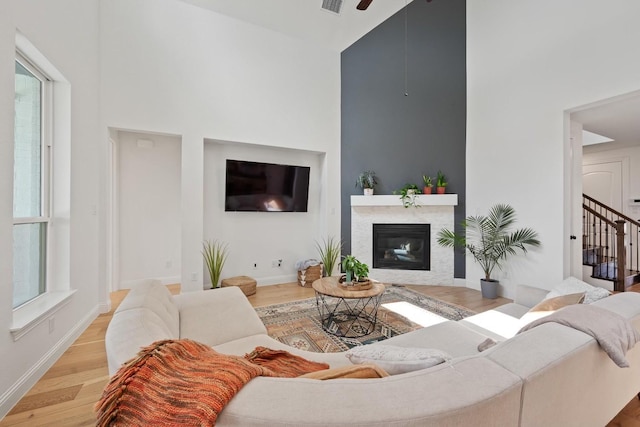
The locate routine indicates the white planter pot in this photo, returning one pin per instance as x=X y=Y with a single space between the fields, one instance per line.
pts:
x=368 y=191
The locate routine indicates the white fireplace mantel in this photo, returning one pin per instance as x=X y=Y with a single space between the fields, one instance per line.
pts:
x=434 y=209
x=394 y=200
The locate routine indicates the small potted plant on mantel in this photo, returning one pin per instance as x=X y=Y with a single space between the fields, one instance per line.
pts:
x=408 y=195
x=367 y=181
x=490 y=240
x=428 y=185
x=441 y=183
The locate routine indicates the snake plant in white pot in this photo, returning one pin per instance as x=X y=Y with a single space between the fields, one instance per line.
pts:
x=491 y=240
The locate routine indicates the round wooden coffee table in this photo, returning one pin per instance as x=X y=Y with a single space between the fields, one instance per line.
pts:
x=347 y=313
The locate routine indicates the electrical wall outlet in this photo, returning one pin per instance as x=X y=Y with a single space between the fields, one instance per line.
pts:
x=52 y=324
x=194 y=277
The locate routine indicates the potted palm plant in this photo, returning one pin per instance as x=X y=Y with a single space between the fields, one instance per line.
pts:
x=491 y=240
x=215 y=255
x=329 y=251
x=367 y=181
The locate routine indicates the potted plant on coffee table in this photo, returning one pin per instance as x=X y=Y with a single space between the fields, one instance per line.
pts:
x=355 y=271
x=367 y=181
x=491 y=240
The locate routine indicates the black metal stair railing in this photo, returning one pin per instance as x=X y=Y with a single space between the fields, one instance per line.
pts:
x=610 y=243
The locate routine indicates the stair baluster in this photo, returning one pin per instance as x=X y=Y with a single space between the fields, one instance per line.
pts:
x=614 y=260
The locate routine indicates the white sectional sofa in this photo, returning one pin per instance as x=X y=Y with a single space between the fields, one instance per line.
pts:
x=552 y=375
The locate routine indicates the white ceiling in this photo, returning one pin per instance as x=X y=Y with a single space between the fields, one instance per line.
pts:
x=305 y=19
x=618 y=119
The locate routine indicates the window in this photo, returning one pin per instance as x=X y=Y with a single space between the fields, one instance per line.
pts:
x=31 y=213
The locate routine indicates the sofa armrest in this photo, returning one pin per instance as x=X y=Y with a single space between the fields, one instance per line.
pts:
x=217 y=316
x=529 y=295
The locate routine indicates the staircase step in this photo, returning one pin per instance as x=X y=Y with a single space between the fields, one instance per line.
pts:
x=608 y=271
x=631 y=278
x=592 y=256
x=605 y=271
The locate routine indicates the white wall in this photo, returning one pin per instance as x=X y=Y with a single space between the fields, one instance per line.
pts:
x=527 y=63
x=173 y=68
x=53 y=30
x=149 y=208
x=261 y=237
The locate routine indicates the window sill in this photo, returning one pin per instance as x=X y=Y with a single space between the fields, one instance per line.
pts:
x=35 y=312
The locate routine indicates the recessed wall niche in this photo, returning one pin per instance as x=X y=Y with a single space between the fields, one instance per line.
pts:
x=258 y=240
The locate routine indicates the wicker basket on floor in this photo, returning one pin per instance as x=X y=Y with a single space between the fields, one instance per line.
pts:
x=306 y=277
x=246 y=284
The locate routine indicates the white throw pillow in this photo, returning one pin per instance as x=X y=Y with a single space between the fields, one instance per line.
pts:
x=397 y=360
x=573 y=285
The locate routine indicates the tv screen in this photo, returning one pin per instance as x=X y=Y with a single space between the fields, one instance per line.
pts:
x=266 y=187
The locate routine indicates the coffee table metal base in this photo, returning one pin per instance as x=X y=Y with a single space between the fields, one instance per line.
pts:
x=348 y=317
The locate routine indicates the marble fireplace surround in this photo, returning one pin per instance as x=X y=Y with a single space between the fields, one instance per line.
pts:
x=435 y=209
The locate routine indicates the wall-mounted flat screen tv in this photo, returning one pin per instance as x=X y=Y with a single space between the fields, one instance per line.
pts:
x=266 y=187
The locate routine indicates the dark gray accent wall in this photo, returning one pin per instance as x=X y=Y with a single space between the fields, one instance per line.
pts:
x=401 y=137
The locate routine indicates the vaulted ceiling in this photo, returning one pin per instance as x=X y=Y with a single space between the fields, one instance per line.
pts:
x=306 y=19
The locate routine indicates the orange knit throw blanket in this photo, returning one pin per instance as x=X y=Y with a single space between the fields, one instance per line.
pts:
x=183 y=382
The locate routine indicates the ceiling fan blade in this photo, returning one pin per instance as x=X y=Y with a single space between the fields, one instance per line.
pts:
x=364 y=4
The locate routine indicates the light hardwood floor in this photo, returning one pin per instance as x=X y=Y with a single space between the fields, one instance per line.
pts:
x=67 y=392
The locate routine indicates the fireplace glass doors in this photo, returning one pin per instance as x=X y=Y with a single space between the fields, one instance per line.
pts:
x=402 y=246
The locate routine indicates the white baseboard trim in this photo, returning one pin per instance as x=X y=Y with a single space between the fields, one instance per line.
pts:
x=104 y=307
x=460 y=282
x=13 y=395
x=276 y=280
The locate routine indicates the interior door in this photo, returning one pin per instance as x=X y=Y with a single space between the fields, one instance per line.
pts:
x=603 y=182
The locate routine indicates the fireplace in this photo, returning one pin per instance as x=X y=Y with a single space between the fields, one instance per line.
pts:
x=402 y=246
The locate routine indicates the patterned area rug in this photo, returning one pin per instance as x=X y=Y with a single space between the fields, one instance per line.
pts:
x=298 y=324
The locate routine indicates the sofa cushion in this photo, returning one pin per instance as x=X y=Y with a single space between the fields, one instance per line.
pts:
x=244 y=345
x=129 y=331
x=450 y=337
x=366 y=370
x=572 y=285
x=557 y=364
x=154 y=296
x=548 y=306
x=471 y=392
x=217 y=316
x=397 y=360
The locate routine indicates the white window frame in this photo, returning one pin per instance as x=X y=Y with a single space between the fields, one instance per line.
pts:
x=56 y=129
x=46 y=113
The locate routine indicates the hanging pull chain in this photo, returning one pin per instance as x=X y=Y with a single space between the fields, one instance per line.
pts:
x=406 y=84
